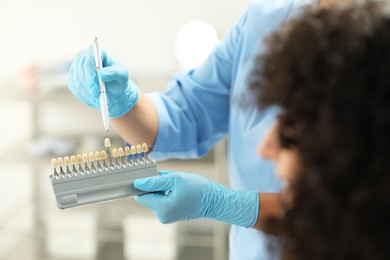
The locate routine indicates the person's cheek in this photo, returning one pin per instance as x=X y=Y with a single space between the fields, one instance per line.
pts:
x=269 y=145
x=288 y=165
x=282 y=169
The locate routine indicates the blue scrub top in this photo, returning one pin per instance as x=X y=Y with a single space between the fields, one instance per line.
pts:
x=203 y=105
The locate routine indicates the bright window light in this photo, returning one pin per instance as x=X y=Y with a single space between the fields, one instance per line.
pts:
x=193 y=43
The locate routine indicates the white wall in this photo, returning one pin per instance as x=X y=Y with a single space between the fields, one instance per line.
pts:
x=139 y=33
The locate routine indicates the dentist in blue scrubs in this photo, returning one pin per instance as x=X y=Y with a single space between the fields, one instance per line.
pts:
x=200 y=107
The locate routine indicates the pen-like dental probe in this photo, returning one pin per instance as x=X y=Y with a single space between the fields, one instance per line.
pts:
x=102 y=86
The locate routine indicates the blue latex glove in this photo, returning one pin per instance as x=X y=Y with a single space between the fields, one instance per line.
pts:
x=190 y=196
x=122 y=93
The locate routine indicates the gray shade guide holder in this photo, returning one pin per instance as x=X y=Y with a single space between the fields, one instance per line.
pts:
x=101 y=184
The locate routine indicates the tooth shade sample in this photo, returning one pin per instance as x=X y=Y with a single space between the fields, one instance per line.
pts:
x=115 y=152
x=66 y=160
x=54 y=163
x=103 y=154
x=107 y=142
x=127 y=150
x=144 y=148
x=120 y=151
x=85 y=158
x=97 y=156
x=91 y=157
x=73 y=159
x=60 y=162
x=133 y=149
x=79 y=158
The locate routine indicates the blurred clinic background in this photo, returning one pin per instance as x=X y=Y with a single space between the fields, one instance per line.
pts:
x=41 y=120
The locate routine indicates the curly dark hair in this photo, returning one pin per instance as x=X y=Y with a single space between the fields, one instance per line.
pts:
x=329 y=72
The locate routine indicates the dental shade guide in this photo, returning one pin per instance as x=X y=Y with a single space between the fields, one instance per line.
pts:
x=100 y=176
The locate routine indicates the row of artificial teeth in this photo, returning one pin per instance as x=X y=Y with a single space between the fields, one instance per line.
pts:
x=86 y=162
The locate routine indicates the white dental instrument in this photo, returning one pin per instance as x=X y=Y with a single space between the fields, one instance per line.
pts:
x=102 y=86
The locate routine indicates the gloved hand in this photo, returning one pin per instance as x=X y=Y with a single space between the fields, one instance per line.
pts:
x=190 y=196
x=122 y=93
